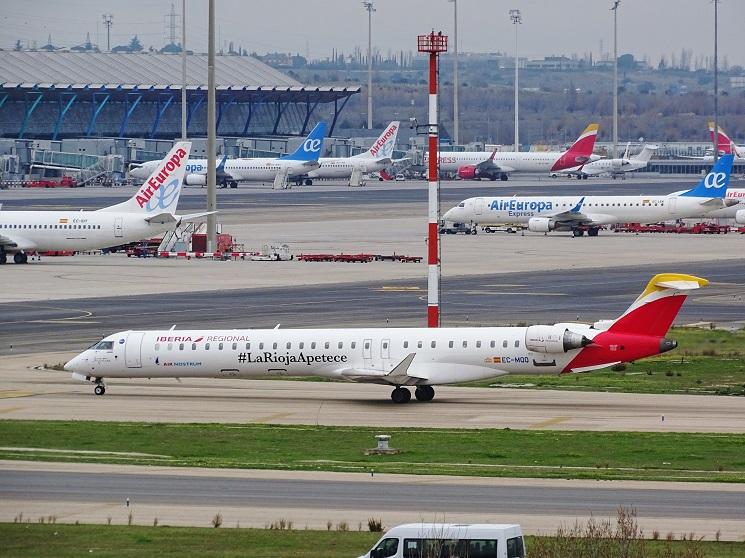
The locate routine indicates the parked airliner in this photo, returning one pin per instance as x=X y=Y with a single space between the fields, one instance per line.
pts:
x=580 y=213
x=615 y=167
x=399 y=357
x=150 y=212
x=375 y=159
x=260 y=169
x=468 y=164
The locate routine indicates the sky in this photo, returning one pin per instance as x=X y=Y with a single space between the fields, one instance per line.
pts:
x=650 y=28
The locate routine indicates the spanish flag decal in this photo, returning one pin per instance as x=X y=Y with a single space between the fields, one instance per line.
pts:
x=63 y=221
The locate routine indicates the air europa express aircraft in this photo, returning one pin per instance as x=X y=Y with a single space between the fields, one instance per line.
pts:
x=577 y=213
x=398 y=357
x=150 y=212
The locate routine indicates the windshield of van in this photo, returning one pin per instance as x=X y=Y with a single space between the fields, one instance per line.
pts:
x=385 y=549
x=515 y=548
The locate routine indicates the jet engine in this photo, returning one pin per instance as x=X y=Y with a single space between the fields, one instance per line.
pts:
x=740 y=217
x=553 y=339
x=195 y=179
x=540 y=224
x=468 y=172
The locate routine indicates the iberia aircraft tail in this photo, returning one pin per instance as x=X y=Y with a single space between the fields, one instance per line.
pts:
x=640 y=331
x=159 y=194
x=725 y=145
x=581 y=150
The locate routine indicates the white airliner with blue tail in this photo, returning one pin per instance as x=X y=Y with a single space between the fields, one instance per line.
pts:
x=149 y=213
x=580 y=213
x=256 y=169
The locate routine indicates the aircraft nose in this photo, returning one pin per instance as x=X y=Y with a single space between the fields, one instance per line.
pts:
x=73 y=364
x=449 y=214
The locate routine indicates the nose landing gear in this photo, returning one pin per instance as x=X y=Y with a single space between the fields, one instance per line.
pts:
x=100 y=388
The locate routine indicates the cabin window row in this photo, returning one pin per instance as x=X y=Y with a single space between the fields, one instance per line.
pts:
x=87 y=227
x=326 y=345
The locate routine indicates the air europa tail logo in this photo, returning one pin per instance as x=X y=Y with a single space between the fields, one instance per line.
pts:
x=154 y=183
x=382 y=140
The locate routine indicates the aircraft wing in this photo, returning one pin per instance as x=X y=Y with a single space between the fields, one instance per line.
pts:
x=399 y=376
x=574 y=216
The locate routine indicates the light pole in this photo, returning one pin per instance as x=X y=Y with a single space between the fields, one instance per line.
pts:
x=456 y=122
x=211 y=132
x=516 y=18
x=614 y=9
x=370 y=9
x=183 y=70
x=108 y=21
x=716 y=87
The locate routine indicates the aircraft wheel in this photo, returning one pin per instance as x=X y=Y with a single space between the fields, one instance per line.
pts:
x=424 y=393
x=20 y=258
x=503 y=177
x=593 y=231
x=401 y=395
x=100 y=389
x=233 y=184
x=584 y=177
x=308 y=182
x=3 y=258
x=578 y=232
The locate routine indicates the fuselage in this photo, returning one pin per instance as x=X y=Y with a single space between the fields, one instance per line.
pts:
x=603 y=210
x=343 y=167
x=243 y=170
x=530 y=161
x=612 y=166
x=443 y=355
x=74 y=230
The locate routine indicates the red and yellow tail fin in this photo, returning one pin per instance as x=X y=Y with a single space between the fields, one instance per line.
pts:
x=653 y=312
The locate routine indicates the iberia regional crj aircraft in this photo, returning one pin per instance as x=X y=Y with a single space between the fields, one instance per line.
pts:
x=398 y=357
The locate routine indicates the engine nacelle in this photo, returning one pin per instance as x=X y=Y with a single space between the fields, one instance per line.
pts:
x=195 y=179
x=467 y=172
x=553 y=339
x=540 y=224
x=740 y=217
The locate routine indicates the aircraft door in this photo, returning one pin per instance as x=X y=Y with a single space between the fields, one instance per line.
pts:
x=367 y=352
x=672 y=205
x=385 y=354
x=118 y=227
x=133 y=349
x=479 y=206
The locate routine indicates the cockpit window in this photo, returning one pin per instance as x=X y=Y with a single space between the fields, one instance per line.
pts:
x=105 y=346
x=462 y=204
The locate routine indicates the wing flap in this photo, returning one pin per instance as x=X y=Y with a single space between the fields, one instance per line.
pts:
x=398 y=376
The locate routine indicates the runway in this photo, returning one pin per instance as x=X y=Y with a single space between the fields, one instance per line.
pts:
x=30 y=394
x=92 y=492
x=528 y=297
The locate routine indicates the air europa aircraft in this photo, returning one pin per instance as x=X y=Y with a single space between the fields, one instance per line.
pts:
x=577 y=213
x=398 y=357
x=150 y=212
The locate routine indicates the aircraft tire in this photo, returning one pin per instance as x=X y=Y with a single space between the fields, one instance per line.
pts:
x=578 y=232
x=424 y=393
x=503 y=177
x=593 y=231
x=309 y=182
x=20 y=258
x=3 y=258
x=100 y=389
x=401 y=395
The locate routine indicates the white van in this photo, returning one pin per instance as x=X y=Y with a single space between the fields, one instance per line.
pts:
x=450 y=540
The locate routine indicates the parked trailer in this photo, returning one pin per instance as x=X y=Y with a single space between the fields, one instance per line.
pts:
x=698 y=228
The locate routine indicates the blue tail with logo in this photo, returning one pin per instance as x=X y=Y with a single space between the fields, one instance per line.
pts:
x=310 y=149
x=714 y=184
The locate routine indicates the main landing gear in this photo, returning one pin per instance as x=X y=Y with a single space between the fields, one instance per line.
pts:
x=20 y=258
x=403 y=395
x=100 y=388
x=3 y=257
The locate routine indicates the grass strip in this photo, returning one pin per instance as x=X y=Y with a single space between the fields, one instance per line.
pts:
x=485 y=452
x=67 y=541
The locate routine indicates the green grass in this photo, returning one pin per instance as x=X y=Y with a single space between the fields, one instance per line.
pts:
x=488 y=452
x=67 y=541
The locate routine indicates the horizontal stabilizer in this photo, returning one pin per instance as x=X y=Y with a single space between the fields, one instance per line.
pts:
x=194 y=216
x=161 y=219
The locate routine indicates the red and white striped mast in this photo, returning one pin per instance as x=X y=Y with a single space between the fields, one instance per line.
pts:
x=434 y=44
